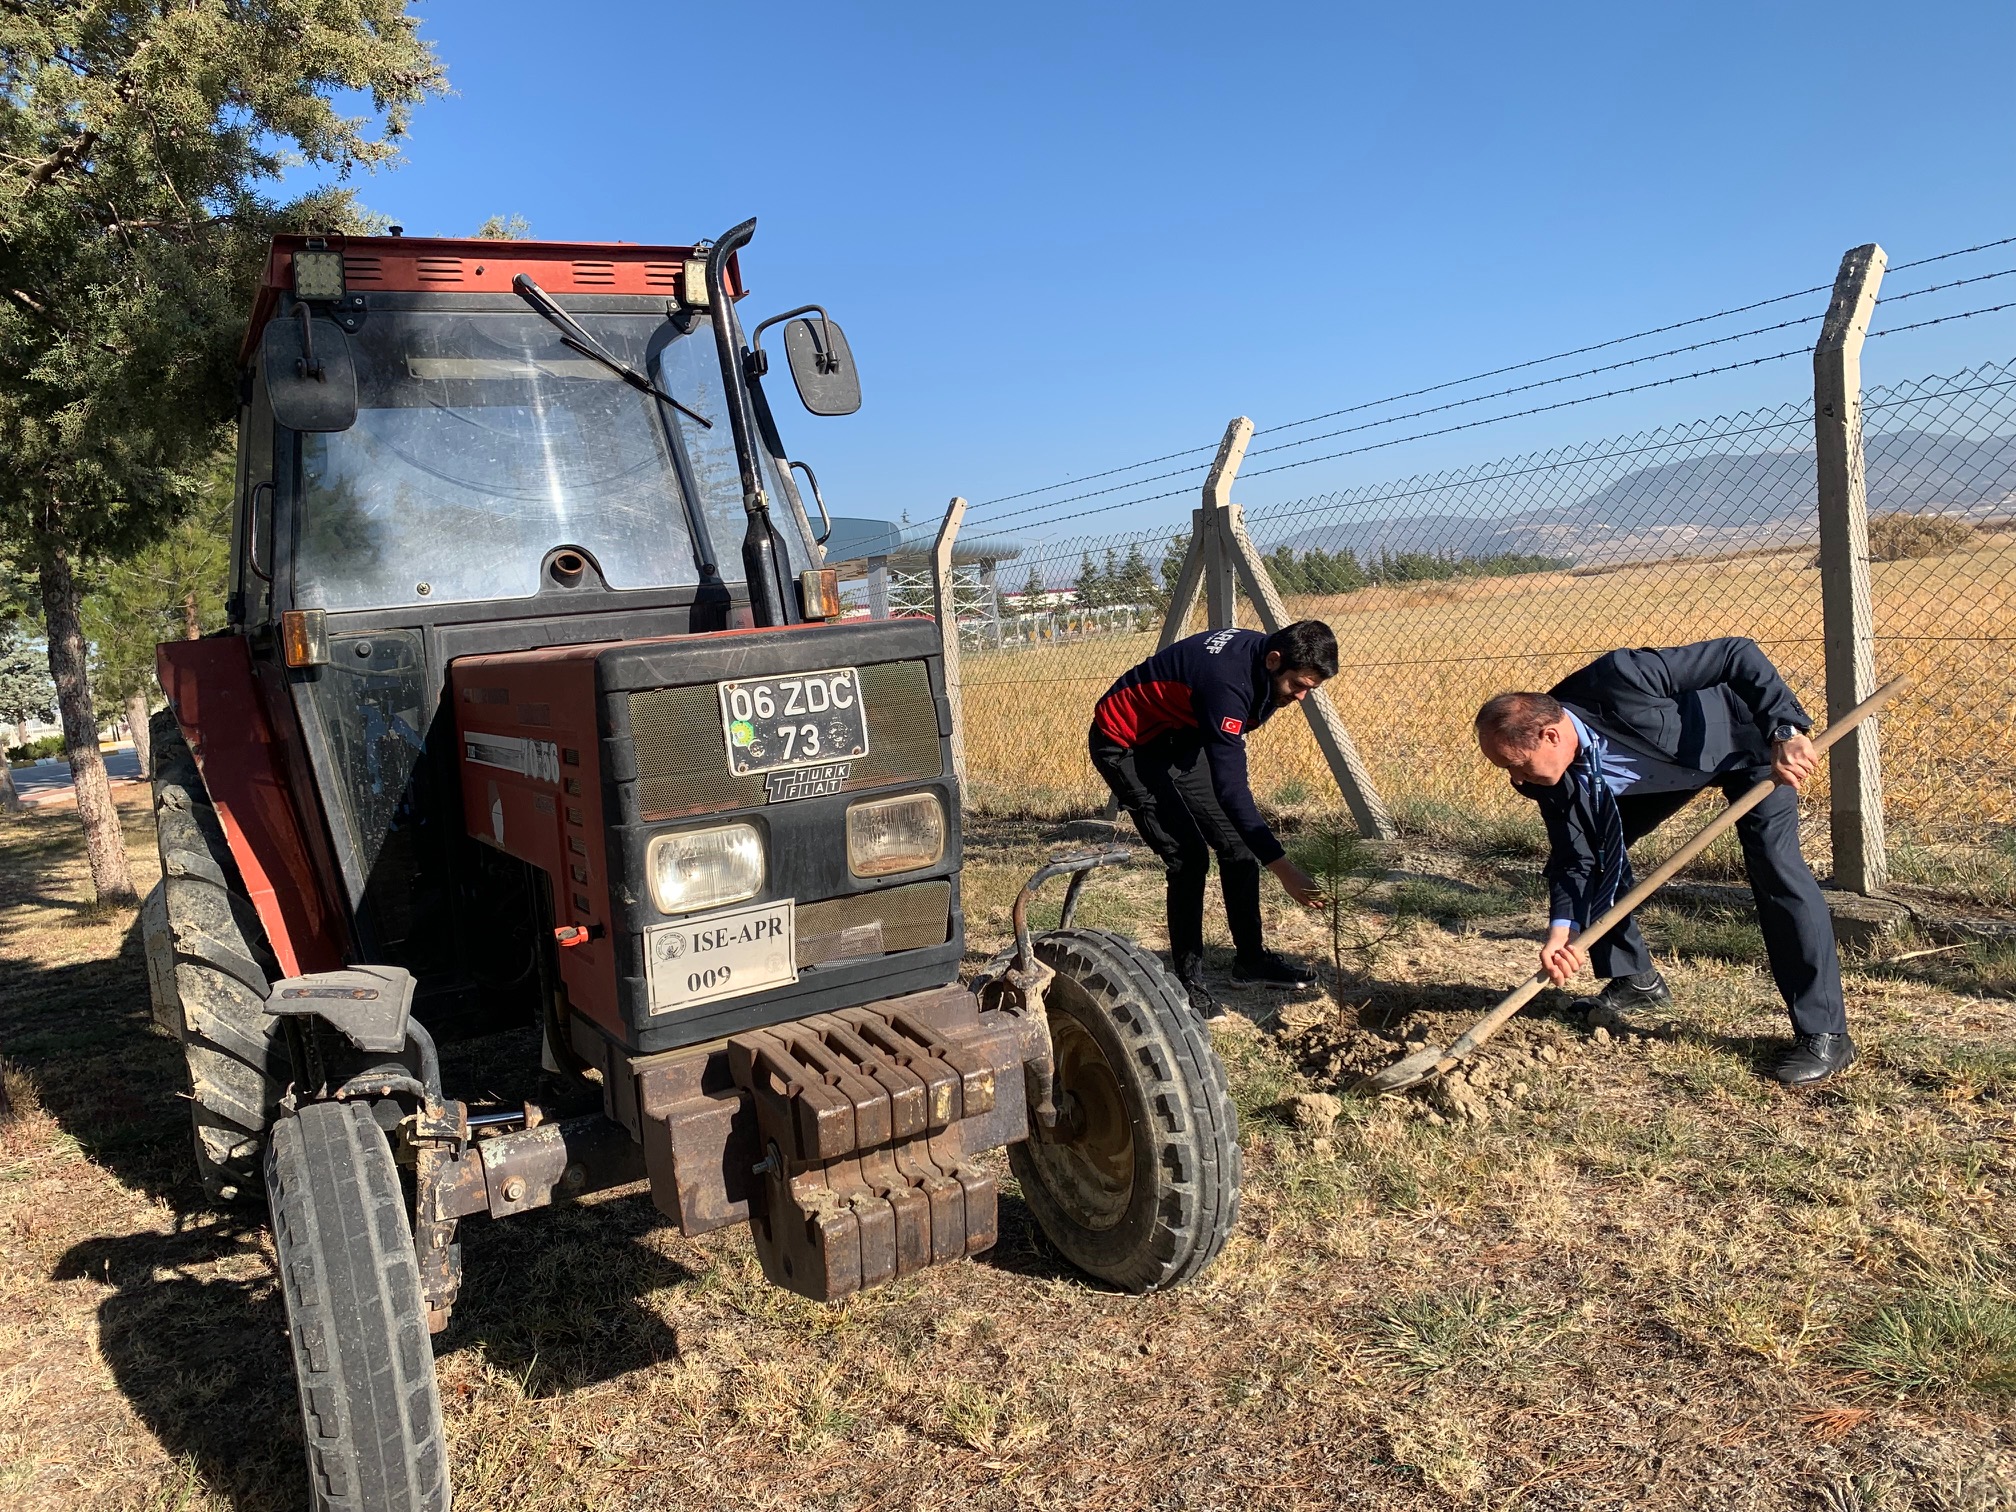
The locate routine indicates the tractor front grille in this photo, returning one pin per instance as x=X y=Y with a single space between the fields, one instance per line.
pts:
x=682 y=752
x=870 y=924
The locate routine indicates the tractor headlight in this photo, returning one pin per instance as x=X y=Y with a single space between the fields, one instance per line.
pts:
x=705 y=868
x=895 y=834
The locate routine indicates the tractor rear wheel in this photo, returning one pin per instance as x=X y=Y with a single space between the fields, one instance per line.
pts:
x=210 y=971
x=362 y=1357
x=1141 y=1189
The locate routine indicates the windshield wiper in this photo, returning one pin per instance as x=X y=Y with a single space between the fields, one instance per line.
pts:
x=573 y=337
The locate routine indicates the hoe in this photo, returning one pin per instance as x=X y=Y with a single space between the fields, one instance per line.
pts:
x=1426 y=1065
x=537 y=709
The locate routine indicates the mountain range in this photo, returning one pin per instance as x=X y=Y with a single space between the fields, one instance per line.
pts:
x=1725 y=501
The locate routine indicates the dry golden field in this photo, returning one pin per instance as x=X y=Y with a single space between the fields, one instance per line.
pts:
x=1418 y=660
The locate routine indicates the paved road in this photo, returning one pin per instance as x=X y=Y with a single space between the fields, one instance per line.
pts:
x=46 y=779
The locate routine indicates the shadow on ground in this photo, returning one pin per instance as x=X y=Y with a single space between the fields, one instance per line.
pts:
x=194 y=1333
x=557 y=1299
x=84 y=1033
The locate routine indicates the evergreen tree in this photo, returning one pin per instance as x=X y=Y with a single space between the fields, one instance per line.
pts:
x=138 y=143
x=1285 y=570
x=1032 y=592
x=1089 y=590
x=25 y=693
x=1135 y=584
x=1172 y=560
x=171 y=589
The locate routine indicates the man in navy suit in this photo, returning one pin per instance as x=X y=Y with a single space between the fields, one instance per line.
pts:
x=1617 y=748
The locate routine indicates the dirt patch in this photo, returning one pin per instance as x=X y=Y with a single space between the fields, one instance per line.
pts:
x=1338 y=1044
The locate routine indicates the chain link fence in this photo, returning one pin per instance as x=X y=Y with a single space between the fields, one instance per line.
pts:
x=1446 y=588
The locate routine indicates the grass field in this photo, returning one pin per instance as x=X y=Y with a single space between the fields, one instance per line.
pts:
x=1416 y=662
x=1639 y=1276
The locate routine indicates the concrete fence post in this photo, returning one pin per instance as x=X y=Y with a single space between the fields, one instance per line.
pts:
x=1855 y=765
x=1220 y=557
x=1340 y=752
x=945 y=607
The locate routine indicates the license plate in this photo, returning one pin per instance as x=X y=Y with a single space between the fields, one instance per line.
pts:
x=722 y=955
x=794 y=720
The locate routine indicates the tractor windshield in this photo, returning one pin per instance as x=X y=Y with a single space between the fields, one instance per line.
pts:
x=482 y=443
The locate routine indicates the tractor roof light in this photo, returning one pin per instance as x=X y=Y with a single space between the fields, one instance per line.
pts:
x=318 y=274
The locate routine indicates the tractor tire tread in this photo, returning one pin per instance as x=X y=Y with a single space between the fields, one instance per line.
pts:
x=1187 y=1102
x=370 y=1408
x=219 y=970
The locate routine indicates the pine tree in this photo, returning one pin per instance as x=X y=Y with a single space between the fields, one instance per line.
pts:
x=1135 y=584
x=171 y=589
x=25 y=693
x=138 y=144
x=1090 y=588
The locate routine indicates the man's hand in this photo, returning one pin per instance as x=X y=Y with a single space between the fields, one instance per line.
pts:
x=1301 y=886
x=1793 y=761
x=1558 y=958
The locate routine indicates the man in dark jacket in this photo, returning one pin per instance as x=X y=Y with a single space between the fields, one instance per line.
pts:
x=1169 y=737
x=1617 y=748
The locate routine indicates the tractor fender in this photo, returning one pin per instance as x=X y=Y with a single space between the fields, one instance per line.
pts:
x=215 y=699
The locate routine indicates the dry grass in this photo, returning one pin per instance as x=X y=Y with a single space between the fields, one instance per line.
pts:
x=1418 y=660
x=1642 y=1278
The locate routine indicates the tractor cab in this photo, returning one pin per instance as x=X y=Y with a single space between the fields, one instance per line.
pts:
x=458 y=448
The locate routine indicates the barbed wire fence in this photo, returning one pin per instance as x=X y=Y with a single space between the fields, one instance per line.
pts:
x=1446 y=587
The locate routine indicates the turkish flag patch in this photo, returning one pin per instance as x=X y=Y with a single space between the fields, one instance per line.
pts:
x=1230 y=725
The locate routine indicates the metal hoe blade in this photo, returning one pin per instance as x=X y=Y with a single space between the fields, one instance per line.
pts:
x=1421 y=1066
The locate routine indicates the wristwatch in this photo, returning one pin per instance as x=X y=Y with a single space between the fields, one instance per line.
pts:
x=1784 y=732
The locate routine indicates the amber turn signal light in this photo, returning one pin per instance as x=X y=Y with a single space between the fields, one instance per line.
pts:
x=819 y=587
x=304 y=638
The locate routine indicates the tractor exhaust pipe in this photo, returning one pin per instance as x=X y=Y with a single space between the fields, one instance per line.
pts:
x=762 y=560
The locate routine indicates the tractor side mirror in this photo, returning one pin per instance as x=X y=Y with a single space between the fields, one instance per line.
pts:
x=311 y=377
x=822 y=366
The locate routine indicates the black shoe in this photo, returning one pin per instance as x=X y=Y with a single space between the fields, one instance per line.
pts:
x=1272 y=971
x=1622 y=998
x=1201 y=1002
x=1815 y=1058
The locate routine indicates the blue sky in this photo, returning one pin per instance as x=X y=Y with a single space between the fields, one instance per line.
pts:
x=1066 y=237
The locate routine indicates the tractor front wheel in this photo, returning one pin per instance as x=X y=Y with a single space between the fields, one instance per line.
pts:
x=362 y=1357
x=209 y=971
x=1139 y=1186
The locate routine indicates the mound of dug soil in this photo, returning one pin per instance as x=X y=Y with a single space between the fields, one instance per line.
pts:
x=1337 y=1043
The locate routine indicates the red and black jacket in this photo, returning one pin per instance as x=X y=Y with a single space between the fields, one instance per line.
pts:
x=1214 y=688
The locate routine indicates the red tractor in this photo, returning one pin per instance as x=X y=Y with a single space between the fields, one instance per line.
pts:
x=536 y=711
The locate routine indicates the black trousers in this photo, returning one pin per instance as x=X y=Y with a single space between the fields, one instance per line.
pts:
x=1166 y=786
x=1798 y=931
